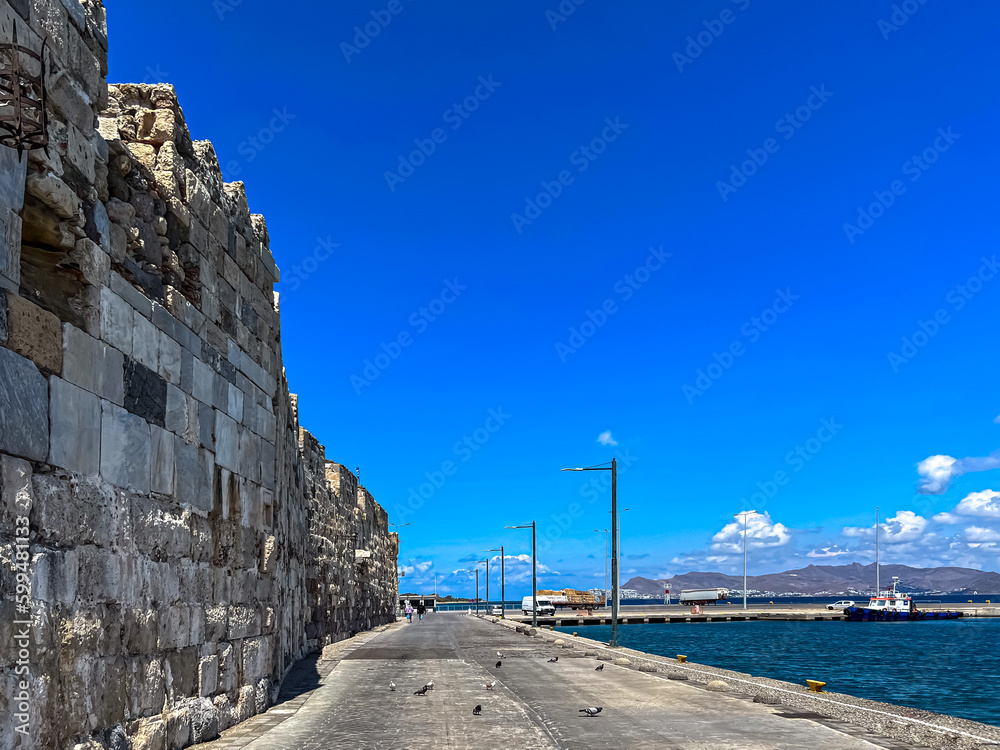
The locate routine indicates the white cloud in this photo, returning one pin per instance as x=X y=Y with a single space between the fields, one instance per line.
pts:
x=760 y=530
x=905 y=526
x=936 y=472
x=979 y=534
x=605 y=438
x=985 y=504
x=947 y=518
x=831 y=551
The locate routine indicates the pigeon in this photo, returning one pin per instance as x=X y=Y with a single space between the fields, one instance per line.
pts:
x=600 y=668
x=422 y=691
x=553 y=659
x=499 y=655
x=477 y=711
x=491 y=685
x=392 y=686
x=592 y=711
x=430 y=685
x=498 y=665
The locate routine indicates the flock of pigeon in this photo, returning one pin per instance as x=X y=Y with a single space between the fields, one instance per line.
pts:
x=490 y=684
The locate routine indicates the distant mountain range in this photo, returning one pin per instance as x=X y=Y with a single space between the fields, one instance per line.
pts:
x=833 y=580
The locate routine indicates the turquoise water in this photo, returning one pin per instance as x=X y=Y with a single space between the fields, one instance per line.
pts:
x=946 y=667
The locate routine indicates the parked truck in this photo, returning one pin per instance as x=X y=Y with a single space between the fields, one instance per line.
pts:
x=703 y=596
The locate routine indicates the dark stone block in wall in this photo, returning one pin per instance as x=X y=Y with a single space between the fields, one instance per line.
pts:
x=228 y=322
x=145 y=393
x=24 y=407
x=250 y=317
x=231 y=244
x=3 y=318
x=210 y=357
x=21 y=6
x=151 y=283
x=227 y=370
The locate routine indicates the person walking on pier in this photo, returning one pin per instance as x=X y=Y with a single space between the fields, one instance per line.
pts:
x=409 y=612
x=420 y=610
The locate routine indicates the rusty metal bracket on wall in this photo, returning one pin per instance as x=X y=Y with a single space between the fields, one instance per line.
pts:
x=23 y=118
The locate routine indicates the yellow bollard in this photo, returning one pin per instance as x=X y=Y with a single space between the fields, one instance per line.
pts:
x=681 y=658
x=815 y=686
x=551 y=628
x=970 y=601
x=574 y=635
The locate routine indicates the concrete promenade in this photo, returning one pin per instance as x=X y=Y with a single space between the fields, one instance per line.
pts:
x=535 y=703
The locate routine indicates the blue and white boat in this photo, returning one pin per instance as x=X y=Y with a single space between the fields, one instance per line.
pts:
x=894 y=606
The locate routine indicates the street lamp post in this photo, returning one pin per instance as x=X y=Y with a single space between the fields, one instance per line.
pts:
x=613 y=468
x=503 y=592
x=745 y=515
x=477 y=592
x=623 y=510
x=534 y=572
x=878 y=583
x=605 y=532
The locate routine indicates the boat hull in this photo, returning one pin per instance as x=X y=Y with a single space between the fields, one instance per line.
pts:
x=867 y=614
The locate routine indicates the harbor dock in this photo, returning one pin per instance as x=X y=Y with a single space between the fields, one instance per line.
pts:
x=343 y=699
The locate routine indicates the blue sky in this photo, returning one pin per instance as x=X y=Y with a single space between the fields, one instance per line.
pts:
x=754 y=242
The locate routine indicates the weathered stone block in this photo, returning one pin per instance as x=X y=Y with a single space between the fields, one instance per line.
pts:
x=78 y=511
x=140 y=630
x=170 y=359
x=249 y=455
x=125 y=448
x=34 y=333
x=161 y=461
x=182 y=414
x=234 y=404
x=100 y=575
x=24 y=408
x=227 y=443
x=206 y=425
x=195 y=469
x=75 y=416
x=204 y=381
x=204 y=720
x=148 y=734
x=136 y=299
x=145 y=342
x=117 y=321
x=145 y=393
x=267 y=464
x=16 y=494
x=208 y=674
x=93 y=365
x=184 y=669
x=161 y=531
x=90 y=260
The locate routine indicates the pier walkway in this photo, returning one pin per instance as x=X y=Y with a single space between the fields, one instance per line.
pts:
x=535 y=703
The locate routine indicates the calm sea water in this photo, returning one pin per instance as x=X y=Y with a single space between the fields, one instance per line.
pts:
x=946 y=666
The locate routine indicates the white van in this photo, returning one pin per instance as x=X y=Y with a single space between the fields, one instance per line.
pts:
x=545 y=606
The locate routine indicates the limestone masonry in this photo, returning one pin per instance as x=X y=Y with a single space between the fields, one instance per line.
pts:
x=186 y=539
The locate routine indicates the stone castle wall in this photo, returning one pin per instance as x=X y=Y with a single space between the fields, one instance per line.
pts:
x=186 y=539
